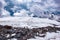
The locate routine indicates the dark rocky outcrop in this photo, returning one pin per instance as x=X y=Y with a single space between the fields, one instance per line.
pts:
x=24 y=33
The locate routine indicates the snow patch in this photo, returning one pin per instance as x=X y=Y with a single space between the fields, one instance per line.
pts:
x=29 y=22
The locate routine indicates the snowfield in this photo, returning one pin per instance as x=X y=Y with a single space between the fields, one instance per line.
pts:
x=49 y=36
x=31 y=22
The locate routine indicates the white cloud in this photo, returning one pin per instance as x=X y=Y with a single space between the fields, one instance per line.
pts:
x=3 y=11
x=50 y=3
x=38 y=9
x=19 y=1
x=21 y=13
x=27 y=1
x=37 y=6
x=44 y=5
x=36 y=0
x=3 y=3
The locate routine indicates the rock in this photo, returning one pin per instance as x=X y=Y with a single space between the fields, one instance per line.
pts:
x=7 y=27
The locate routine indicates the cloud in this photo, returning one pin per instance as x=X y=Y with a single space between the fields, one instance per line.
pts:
x=36 y=0
x=33 y=6
x=58 y=2
x=21 y=13
x=3 y=2
x=48 y=5
x=3 y=12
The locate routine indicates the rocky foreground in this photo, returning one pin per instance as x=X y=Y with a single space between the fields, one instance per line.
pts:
x=17 y=33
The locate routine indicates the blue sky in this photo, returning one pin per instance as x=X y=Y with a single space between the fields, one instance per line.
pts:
x=11 y=6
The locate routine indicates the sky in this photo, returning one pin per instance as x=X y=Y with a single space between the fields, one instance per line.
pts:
x=58 y=2
x=32 y=6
